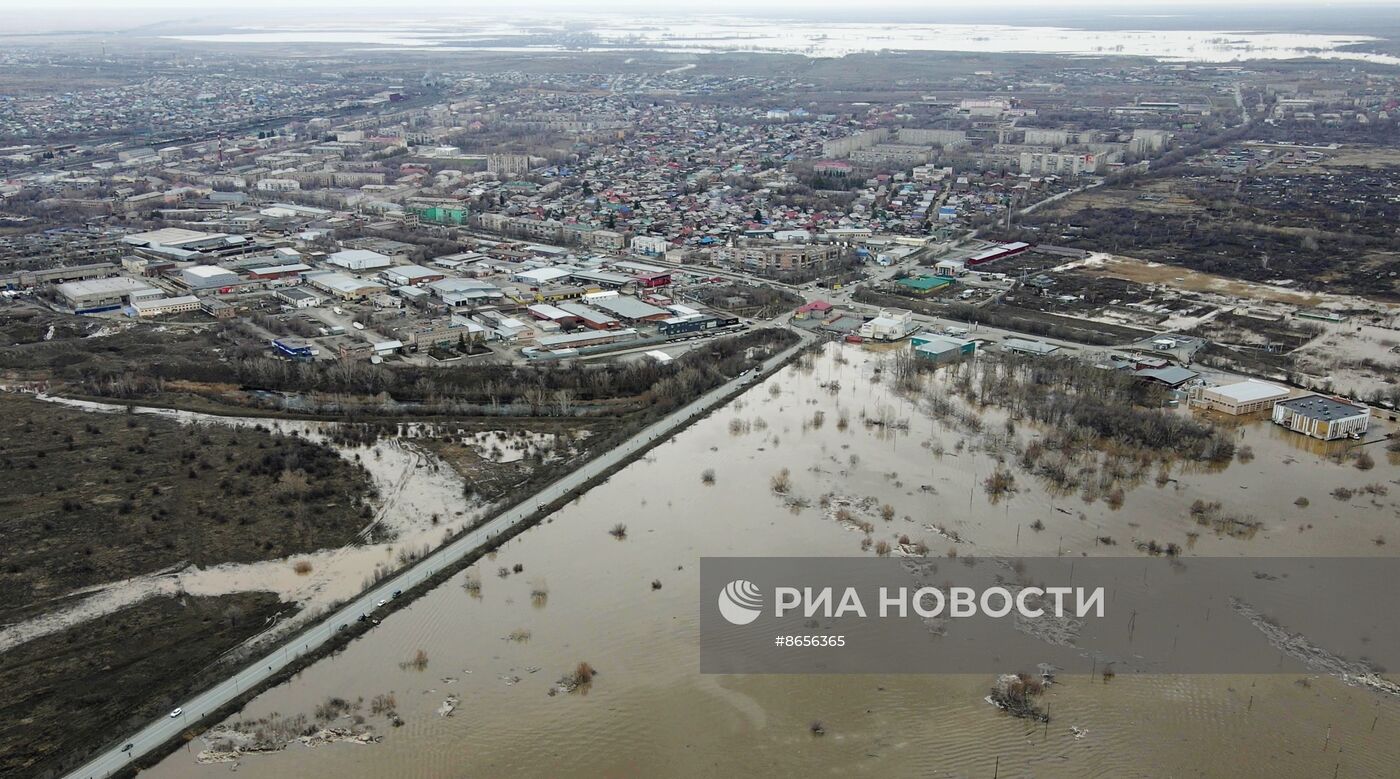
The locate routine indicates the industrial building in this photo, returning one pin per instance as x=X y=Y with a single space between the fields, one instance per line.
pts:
x=457 y=293
x=95 y=295
x=386 y=348
x=548 y=313
x=32 y=278
x=538 y=277
x=342 y=286
x=217 y=308
x=1322 y=417
x=359 y=260
x=950 y=268
x=630 y=309
x=410 y=275
x=1171 y=376
x=647 y=276
x=294 y=348
x=1243 y=397
x=685 y=325
x=199 y=277
x=888 y=326
x=925 y=285
x=298 y=297
x=601 y=279
x=278 y=272
x=937 y=349
x=592 y=318
x=178 y=243
x=448 y=331
x=1001 y=251
x=583 y=339
x=163 y=306
x=1027 y=346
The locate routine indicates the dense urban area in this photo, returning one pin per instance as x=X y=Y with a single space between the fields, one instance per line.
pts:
x=289 y=327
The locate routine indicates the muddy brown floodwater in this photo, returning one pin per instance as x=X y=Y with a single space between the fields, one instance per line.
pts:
x=649 y=712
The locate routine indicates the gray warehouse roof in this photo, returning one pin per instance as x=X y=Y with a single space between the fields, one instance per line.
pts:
x=628 y=308
x=1171 y=375
x=1322 y=407
x=1028 y=346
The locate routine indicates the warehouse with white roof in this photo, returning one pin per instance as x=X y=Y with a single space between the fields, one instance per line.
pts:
x=359 y=260
x=1242 y=397
x=94 y=295
x=207 y=277
x=541 y=276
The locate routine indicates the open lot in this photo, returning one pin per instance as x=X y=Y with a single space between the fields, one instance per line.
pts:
x=71 y=691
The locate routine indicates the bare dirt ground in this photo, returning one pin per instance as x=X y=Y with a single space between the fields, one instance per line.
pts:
x=1347 y=157
x=1146 y=272
x=1357 y=359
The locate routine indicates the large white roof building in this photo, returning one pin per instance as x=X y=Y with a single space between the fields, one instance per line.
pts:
x=1242 y=397
x=359 y=259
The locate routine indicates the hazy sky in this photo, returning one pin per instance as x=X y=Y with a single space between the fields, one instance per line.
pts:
x=41 y=15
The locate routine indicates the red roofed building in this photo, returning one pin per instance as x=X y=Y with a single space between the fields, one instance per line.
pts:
x=650 y=280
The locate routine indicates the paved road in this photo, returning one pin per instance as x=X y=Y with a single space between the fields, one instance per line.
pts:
x=166 y=728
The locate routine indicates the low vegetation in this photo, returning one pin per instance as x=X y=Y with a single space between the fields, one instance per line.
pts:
x=69 y=693
x=105 y=497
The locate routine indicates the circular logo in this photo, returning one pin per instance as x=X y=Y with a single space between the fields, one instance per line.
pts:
x=740 y=602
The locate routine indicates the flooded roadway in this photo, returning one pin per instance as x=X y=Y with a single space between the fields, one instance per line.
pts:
x=649 y=712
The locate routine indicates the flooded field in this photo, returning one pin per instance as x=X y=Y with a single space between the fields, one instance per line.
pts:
x=808 y=38
x=464 y=681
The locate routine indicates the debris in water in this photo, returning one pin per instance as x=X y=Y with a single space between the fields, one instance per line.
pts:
x=1315 y=658
x=1015 y=694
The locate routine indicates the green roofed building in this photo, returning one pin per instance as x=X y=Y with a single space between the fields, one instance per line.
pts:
x=934 y=348
x=442 y=215
x=924 y=285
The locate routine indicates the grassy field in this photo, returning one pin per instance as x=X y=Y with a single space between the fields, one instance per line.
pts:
x=68 y=693
x=96 y=498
